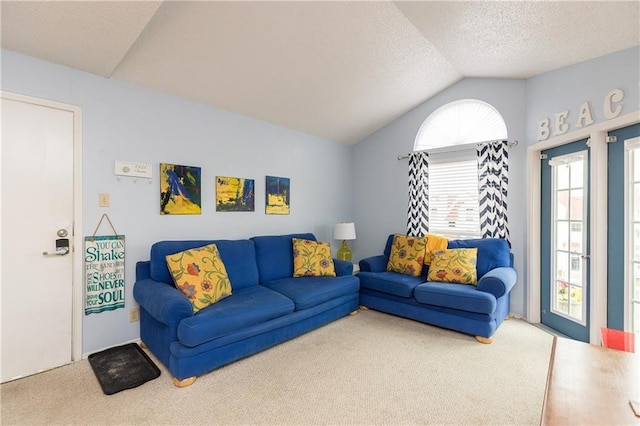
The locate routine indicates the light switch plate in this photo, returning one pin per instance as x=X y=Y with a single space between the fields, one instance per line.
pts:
x=103 y=200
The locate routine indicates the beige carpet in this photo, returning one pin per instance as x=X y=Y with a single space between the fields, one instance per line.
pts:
x=372 y=368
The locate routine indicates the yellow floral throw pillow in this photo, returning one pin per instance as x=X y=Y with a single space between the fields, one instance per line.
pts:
x=407 y=255
x=200 y=275
x=312 y=259
x=454 y=266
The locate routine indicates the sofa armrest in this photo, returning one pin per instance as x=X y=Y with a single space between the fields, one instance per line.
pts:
x=498 y=281
x=162 y=301
x=343 y=267
x=374 y=264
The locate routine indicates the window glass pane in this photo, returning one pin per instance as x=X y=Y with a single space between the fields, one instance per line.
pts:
x=562 y=205
x=576 y=237
x=636 y=282
x=636 y=242
x=577 y=171
x=575 y=275
x=576 y=204
x=575 y=309
x=636 y=201
x=562 y=177
x=562 y=266
x=562 y=235
x=562 y=297
x=636 y=318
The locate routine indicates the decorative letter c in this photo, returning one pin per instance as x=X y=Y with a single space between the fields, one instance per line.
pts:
x=616 y=95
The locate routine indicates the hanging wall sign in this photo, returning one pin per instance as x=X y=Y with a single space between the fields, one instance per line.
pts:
x=104 y=273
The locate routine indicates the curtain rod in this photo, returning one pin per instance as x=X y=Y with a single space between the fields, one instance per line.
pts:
x=457 y=148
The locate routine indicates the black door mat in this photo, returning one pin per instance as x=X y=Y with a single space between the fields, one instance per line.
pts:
x=122 y=367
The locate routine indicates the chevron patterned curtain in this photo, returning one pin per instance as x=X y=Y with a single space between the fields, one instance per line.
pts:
x=493 y=178
x=418 y=214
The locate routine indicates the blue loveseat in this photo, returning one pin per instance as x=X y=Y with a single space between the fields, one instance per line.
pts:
x=267 y=306
x=476 y=310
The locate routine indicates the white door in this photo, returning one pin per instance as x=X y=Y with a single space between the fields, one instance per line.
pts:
x=37 y=209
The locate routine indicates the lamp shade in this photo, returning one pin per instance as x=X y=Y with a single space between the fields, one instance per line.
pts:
x=344 y=231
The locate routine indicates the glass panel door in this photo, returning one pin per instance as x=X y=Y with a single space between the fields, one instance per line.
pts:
x=633 y=270
x=623 y=230
x=565 y=240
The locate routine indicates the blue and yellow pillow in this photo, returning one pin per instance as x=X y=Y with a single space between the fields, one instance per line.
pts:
x=407 y=255
x=200 y=274
x=454 y=266
x=312 y=259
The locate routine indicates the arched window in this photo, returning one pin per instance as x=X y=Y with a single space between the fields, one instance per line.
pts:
x=461 y=122
x=450 y=135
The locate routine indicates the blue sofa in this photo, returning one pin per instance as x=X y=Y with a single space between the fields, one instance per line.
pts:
x=267 y=306
x=475 y=310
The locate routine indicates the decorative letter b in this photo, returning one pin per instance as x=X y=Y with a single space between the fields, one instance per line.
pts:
x=543 y=129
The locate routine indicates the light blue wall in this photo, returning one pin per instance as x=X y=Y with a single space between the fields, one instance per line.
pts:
x=380 y=180
x=590 y=81
x=125 y=122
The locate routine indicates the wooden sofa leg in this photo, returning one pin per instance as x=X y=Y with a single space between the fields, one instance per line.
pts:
x=353 y=313
x=143 y=345
x=184 y=383
x=485 y=340
x=363 y=308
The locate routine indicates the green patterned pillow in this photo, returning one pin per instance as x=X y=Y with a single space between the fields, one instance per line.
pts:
x=312 y=259
x=407 y=255
x=200 y=275
x=454 y=266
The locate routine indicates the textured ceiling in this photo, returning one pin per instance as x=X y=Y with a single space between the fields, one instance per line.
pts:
x=338 y=70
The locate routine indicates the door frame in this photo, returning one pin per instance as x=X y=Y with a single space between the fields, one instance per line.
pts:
x=597 y=134
x=77 y=239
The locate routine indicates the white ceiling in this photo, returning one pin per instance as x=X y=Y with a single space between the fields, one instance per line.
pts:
x=339 y=70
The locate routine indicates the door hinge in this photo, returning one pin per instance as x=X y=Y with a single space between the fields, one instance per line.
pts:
x=543 y=156
x=611 y=139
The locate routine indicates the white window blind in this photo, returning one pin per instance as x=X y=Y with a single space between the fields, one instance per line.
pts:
x=453 y=199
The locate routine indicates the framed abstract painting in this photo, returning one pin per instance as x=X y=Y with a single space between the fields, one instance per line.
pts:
x=277 y=195
x=235 y=194
x=180 y=189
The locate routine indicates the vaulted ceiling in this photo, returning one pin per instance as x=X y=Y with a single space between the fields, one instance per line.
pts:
x=339 y=70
